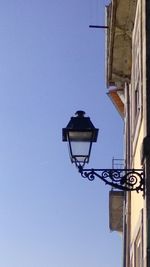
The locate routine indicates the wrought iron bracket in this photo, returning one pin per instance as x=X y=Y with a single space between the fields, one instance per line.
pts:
x=122 y=179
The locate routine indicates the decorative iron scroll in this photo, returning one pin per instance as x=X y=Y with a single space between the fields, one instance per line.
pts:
x=123 y=179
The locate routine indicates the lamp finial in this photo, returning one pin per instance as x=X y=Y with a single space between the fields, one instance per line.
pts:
x=80 y=113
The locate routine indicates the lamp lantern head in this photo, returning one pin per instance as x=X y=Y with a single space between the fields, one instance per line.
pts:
x=80 y=133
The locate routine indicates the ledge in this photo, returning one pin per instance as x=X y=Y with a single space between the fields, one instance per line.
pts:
x=120 y=20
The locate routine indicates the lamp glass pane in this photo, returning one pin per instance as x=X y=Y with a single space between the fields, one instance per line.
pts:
x=80 y=150
x=80 y=136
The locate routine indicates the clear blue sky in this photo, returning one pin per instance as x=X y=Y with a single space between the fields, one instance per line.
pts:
x=51 y=65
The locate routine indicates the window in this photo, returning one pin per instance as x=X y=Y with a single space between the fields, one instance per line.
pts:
x=136 y=257
x=138 y=250
x=136 y=76
x=136 y=71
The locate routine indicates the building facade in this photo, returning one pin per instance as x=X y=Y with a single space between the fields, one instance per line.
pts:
x=128 y=82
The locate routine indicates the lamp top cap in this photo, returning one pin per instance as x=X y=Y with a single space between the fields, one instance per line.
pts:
x=80 y=113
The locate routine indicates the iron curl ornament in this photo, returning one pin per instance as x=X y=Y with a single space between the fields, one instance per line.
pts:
x=122 y=179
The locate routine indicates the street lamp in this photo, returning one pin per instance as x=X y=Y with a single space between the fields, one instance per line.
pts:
x=80 y=133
